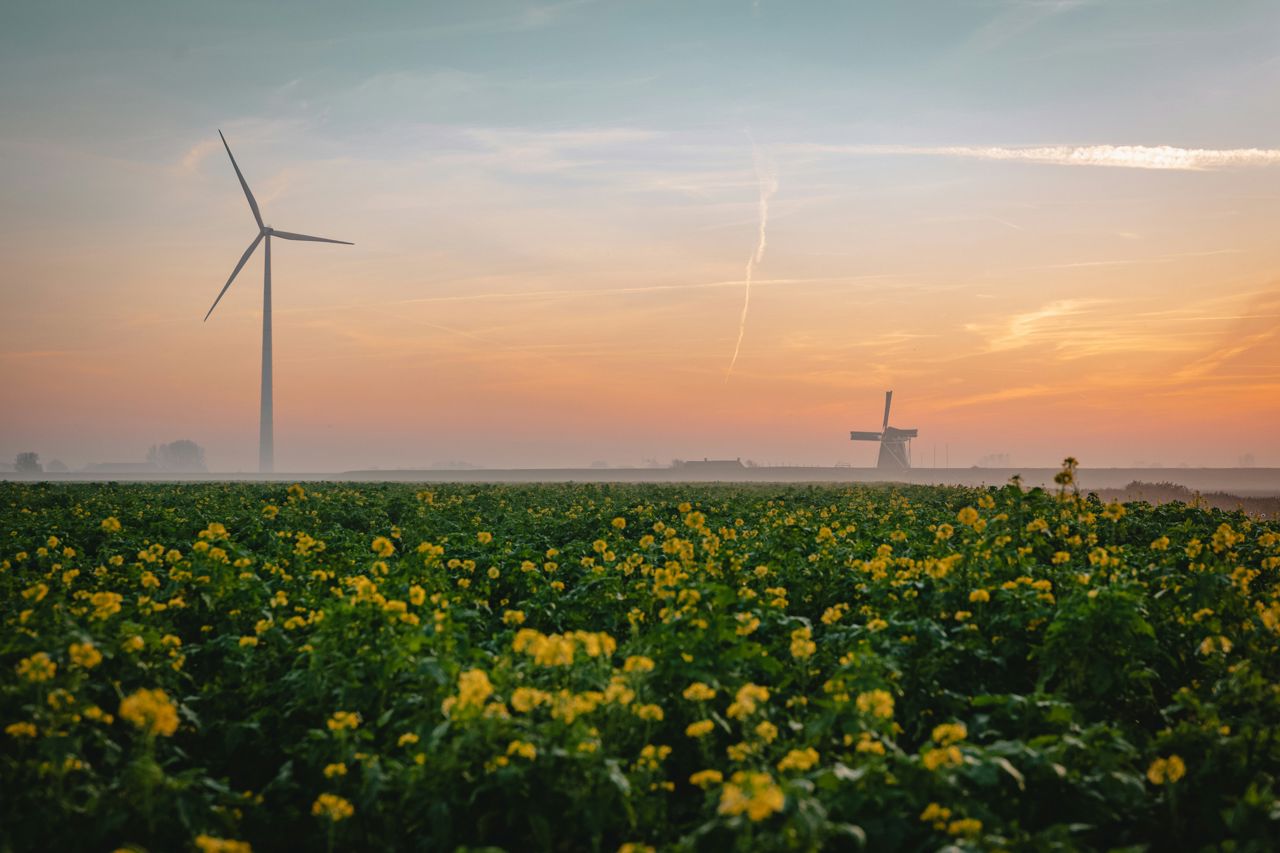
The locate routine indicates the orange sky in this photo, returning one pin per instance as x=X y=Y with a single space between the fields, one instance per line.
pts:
x=527 y=292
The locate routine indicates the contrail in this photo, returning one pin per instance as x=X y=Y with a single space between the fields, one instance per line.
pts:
x=767 y=178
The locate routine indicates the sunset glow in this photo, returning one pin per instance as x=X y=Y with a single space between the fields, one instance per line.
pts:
x=1049 y=227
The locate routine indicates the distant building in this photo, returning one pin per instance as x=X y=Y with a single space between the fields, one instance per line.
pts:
x=708 y=466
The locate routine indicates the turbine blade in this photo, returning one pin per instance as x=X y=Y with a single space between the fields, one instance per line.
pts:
x=289 y=235
x=244 y=259
x=888 y=398
x=253 y=205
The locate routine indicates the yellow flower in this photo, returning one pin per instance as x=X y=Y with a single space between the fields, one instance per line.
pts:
x=333 y=770
x=21 y=730
x=949 y=733
x=936 y=814
x=215 y=530
x=979 y=595
x=343 y=720
x=876 y=702
x=38 y=667
x=648 y=712
x=383 y=547
x=801 y=644
x=525 y=699
x=333 y=807
x=212 y=844
x=947 y=756
x=84 y=655
x=867 y=743
x=799 y=759
x=133 y=644
x=767 y=731
x=619 y=523
x=747 y=700
x=105 y=604
x=523 y=749
x=407 y=739
x=700 y=728
x=968 y=827
x=834 y=614
x=967 y=516
x=706 y=778
x=484 y=537
x=638 y=663
x=1114 y=511
x=699 y=692
x=1211 y=644
x=248 y=641
x=756 y=794
x=474 y=688
x=151 y=711
x=513 y=617
x=270 y=511
x=1164 y=770
x=111 y=524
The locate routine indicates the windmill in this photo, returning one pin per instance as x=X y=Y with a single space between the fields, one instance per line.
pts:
x=266 y=438
x=895 y=444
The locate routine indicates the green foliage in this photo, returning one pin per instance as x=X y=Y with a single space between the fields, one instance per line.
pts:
x=586 y=667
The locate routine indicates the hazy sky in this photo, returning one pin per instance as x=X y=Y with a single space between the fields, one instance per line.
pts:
x=554 y=206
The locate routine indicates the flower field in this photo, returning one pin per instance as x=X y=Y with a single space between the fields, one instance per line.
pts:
x=565 y=667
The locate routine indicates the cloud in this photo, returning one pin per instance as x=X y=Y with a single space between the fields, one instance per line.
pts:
x=1023 y=329
x=527 y=151
x=1016 y=18
x=1122 y=156
x=197 y=153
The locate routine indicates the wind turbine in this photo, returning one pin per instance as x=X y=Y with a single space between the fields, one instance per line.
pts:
x=266 y=438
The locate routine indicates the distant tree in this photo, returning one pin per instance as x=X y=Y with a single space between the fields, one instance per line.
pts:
x=181 y=455
x=28 y=463
x=57 y=466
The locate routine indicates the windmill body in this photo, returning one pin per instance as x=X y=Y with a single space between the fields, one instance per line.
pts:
x=895 y=444
x=266 y=432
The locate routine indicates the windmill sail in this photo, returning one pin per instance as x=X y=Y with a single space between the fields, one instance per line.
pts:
x=895 y=444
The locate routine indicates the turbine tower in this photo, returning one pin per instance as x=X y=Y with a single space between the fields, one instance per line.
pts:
x=266 y=437
x=895 y=444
